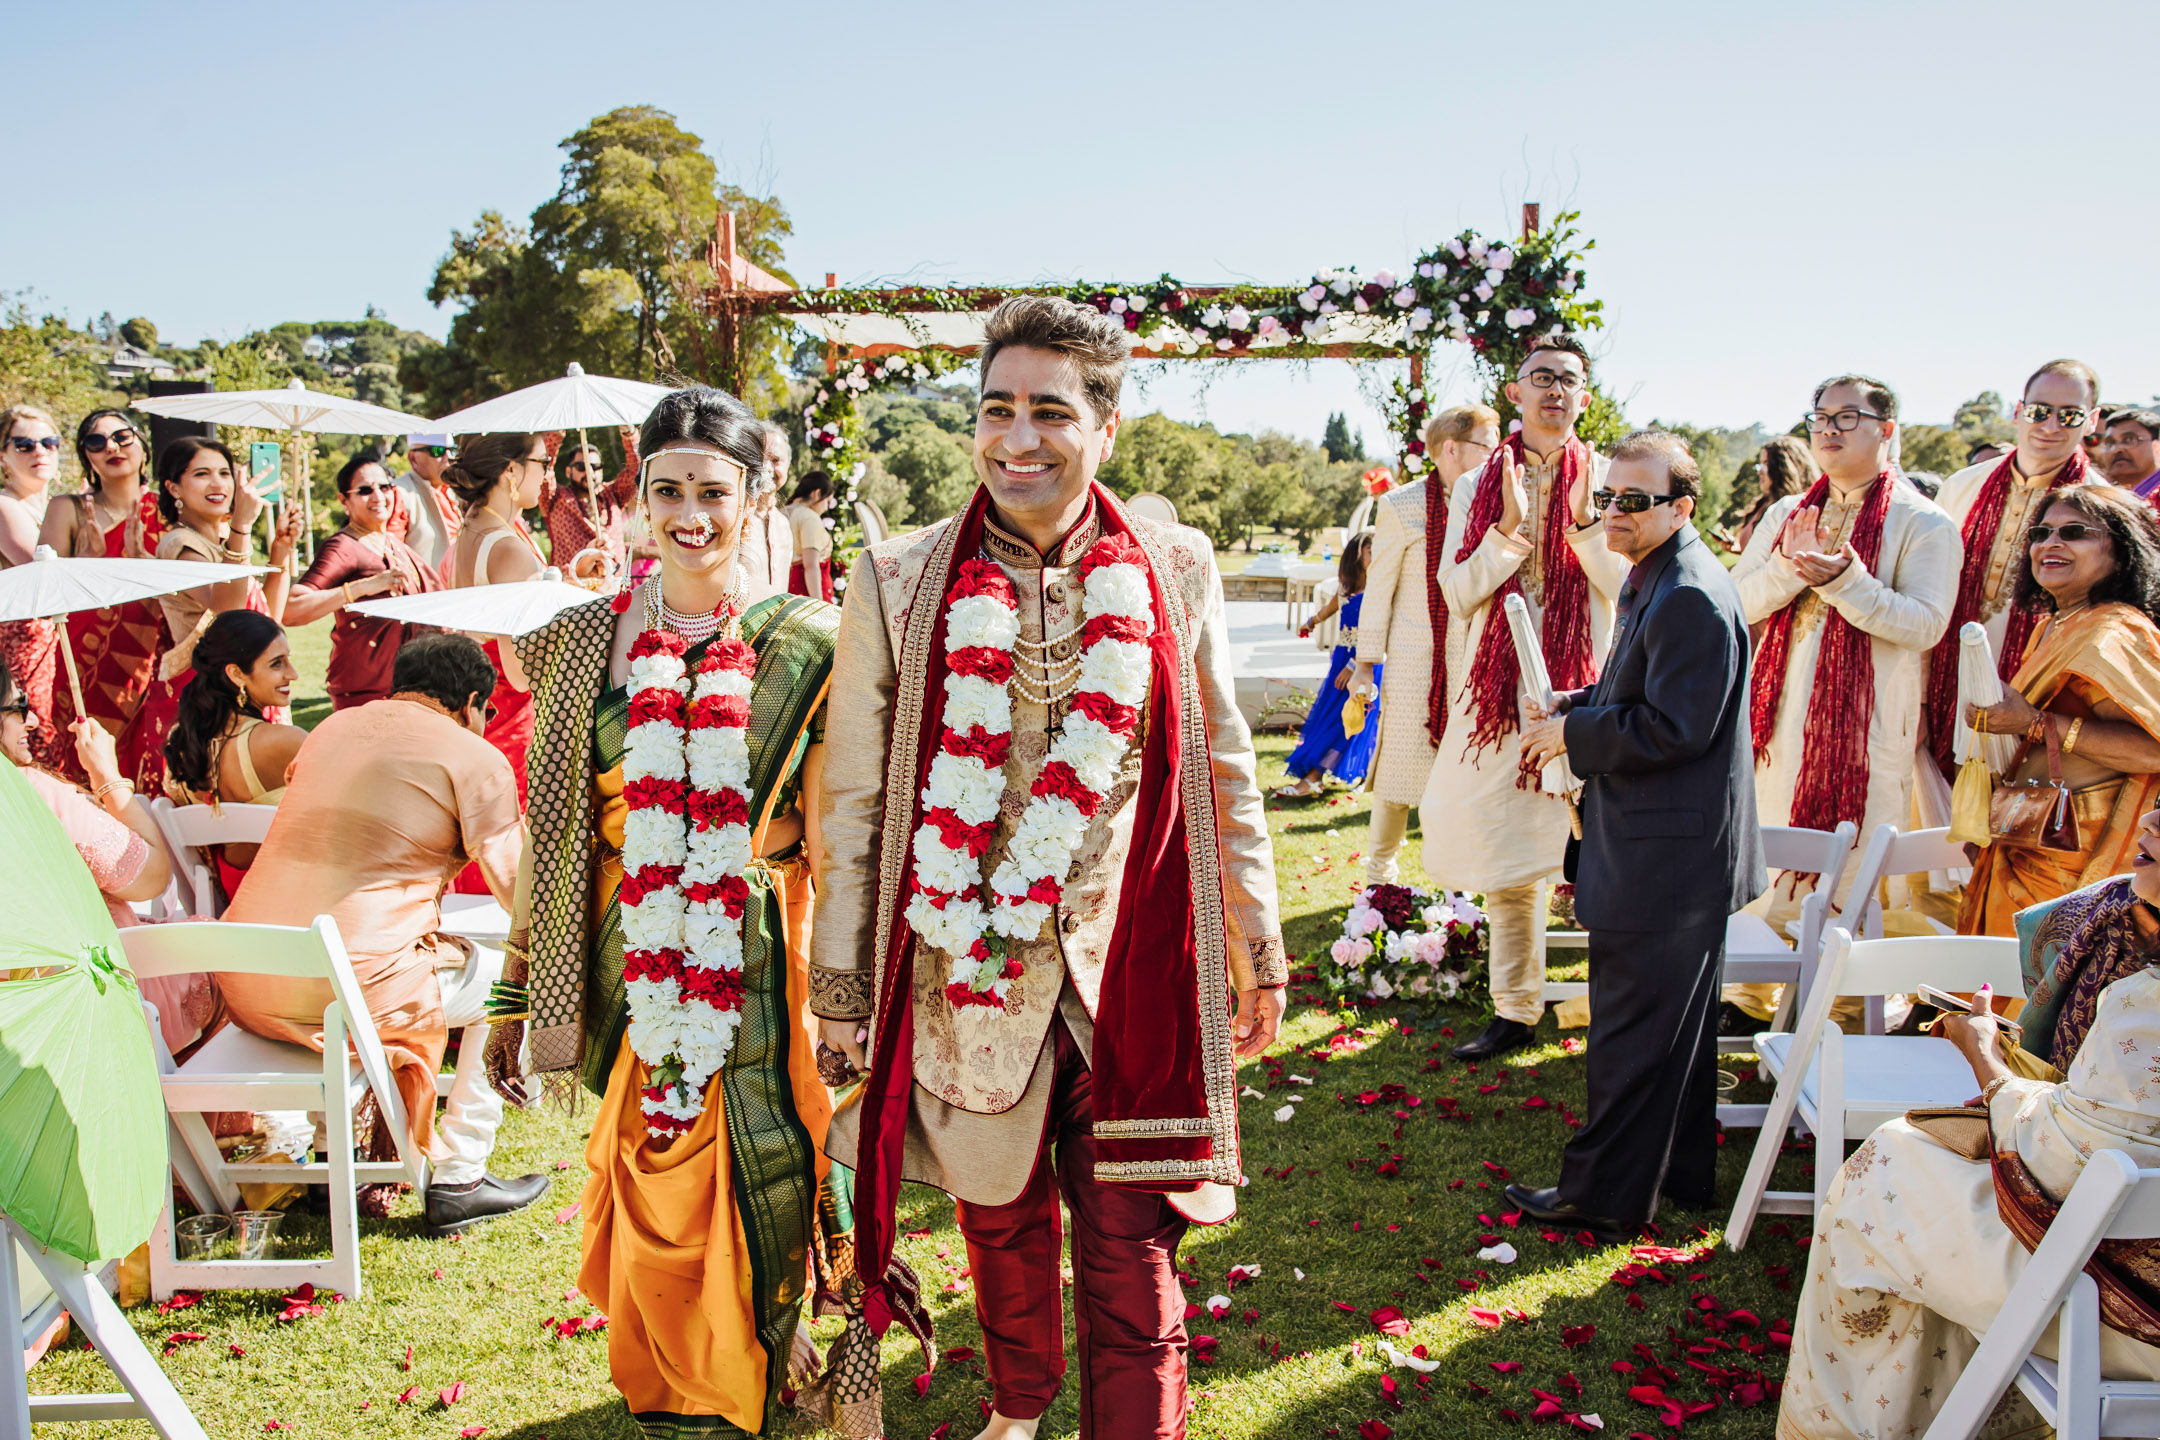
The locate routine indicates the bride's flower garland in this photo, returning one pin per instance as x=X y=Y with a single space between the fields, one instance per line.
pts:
x=686 y=846
x=948 y=907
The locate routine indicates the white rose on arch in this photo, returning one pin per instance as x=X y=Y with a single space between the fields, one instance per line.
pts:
x=1406 y=296
x=1239 y=317
x=1483 y=292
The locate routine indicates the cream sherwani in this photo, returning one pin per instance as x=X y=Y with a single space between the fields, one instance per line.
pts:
x=1395 y=629
x=1911 y=1261
x=1481 y=832
x=1903 y=607
x=983 y=1076
x=2006 y=549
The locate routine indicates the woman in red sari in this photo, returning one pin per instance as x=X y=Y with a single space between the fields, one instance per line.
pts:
x=116 y=649
x=29 y=463
x=498 y=478
x=361 y=561
x=209 y=510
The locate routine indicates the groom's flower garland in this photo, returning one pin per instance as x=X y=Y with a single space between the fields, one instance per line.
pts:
x=686 y=846
x=960 y=797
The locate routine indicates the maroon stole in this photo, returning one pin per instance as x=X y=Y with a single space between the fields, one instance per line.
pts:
x=1833 y=779
x=1147 y=1062
x=1495 y=672
x=1938 y=704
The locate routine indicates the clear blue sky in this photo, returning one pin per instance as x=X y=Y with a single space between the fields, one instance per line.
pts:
x=1941 y=194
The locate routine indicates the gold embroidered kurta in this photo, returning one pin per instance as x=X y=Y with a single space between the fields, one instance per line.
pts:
x=2006 y=549
x=1395 y=629
x=982 y=1082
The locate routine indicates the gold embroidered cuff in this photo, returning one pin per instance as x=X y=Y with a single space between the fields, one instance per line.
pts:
x=841 y=994
x=1271 y=967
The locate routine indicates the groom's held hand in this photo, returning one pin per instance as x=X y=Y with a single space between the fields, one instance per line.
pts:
x=1259 y=1017
x=846 y=1036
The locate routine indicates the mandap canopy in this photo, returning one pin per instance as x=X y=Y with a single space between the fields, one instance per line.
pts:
x=1498 y=297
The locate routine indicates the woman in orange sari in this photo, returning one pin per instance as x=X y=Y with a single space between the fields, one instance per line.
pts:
x=2090 y=683
x=116 y=516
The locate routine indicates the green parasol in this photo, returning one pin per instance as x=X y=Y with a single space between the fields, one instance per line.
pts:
x=82 y=1115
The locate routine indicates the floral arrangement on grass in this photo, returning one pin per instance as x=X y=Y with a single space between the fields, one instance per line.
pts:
x=1412 y=943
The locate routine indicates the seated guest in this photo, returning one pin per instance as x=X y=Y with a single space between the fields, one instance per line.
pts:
x=384 y=804
x=2088 y=688
x=1917 y=1246
x=221 y=748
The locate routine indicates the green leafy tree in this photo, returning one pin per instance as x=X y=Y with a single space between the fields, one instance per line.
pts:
x=139 y=333
x=47 y=363
x=1338 y=442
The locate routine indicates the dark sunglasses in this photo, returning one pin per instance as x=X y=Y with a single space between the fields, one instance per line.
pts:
x=382 y=489
x=2072 y=533
x=121 y=440
x=1628 y=502
x=2071 y=416
x=24 y=445
x=440 y=452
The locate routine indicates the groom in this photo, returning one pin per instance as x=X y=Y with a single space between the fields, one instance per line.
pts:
x=1040 y=826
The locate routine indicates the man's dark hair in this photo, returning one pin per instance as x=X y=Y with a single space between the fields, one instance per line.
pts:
x=1880 y=397
x=2076 y=370
x=2138 y=415
x=1563 y=343
x=451 y=670
x=2133 y=533
x=1685 y=475
x=1097 y=345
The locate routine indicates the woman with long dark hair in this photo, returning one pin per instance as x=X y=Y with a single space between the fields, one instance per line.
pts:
x=224 y=747
x=2086 y=697
x=496 y=479
x=363 y=559
x=208 y=508
x=114 y=516
x=29 y=464
x=1782 y=467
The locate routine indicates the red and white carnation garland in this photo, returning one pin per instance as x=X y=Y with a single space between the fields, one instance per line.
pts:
x=949 y=907
x=686 y=848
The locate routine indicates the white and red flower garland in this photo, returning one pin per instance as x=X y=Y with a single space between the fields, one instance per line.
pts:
x=686 y=847
x=949 y=907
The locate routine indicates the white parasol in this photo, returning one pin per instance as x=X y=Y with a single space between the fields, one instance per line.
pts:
x=294 y=409
x=1556 y=778
x=516 y=607
x=577 y=402
x=50 y=587
x=1979 y=683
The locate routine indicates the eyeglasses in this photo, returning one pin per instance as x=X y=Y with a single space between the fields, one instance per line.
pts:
x=1843 y=421
x=24 y=445
x=2071 y=416
x=1628 y=502
x=382 y=489
x=2071 y=533
x=120 y=440
x=1543 y=379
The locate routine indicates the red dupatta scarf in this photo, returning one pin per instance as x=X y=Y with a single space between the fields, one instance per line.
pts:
x=1147 y=1063
x=1938 y=702
x=1833 y=781
x=1495 y=672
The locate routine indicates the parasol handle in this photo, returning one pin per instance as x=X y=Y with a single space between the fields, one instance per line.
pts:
x=67 y=653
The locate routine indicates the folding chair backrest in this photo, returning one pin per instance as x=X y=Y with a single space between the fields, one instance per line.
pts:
x=191 y=830
x=1890 y=852
x=1958 y=963
x=1811 y=852
x=315 y=952
x=2139 y=1218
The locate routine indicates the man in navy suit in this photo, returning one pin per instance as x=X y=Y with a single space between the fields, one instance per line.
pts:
x=1669 y=849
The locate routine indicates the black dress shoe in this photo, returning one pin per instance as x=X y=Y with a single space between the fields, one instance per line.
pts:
x=1547 y=1208
x=1735 y=1023
x=1689 y=1200
x=1500 y=1037
x=452 y=1208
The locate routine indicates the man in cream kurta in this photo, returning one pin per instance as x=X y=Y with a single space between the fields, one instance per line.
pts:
x=1902 y=606
x=1482 y=832
x=1000 y=1109
x=1396 y=629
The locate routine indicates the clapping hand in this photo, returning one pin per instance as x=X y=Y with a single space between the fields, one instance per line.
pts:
x=1514 y=501
x=1803 y=546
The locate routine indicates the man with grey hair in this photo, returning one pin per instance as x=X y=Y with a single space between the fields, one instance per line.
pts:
x=768 y=547
x=433 y=512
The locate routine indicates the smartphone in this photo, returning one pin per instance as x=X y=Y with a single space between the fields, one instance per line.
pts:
x=1944 y=1000
x=264 y=458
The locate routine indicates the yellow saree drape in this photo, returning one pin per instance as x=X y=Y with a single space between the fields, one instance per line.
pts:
x=2107 y=653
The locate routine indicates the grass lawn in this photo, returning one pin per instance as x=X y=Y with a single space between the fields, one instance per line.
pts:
x=1292 y=1357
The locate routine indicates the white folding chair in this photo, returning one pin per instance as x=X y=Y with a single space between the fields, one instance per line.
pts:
x=192 y=831
x=1148 y=505
x=237 y=1070
x=2112 y=1200
x=1842 y=1087
x=872 y=519
x=35 y=1286
x=1893 y=852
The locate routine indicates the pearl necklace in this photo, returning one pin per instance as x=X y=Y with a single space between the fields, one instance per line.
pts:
x=724 y=617
x=1039 y=677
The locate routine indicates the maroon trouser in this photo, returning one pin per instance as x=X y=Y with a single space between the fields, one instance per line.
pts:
x=1127 y=1305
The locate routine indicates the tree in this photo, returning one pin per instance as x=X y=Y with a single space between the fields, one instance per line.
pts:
x=1337 y=441
x=47 y=363
x=611 y=271
x=139 y=332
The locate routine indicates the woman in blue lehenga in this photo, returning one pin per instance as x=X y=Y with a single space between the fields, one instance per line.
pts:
x=1323 y=748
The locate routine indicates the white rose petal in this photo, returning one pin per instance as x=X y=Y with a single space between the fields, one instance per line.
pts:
x=1503 y=1253
x=1285 y=1113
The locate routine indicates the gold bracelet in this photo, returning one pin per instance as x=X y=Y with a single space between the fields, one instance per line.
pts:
x=345 y=593
x=2070 y=740
x=109 y=786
